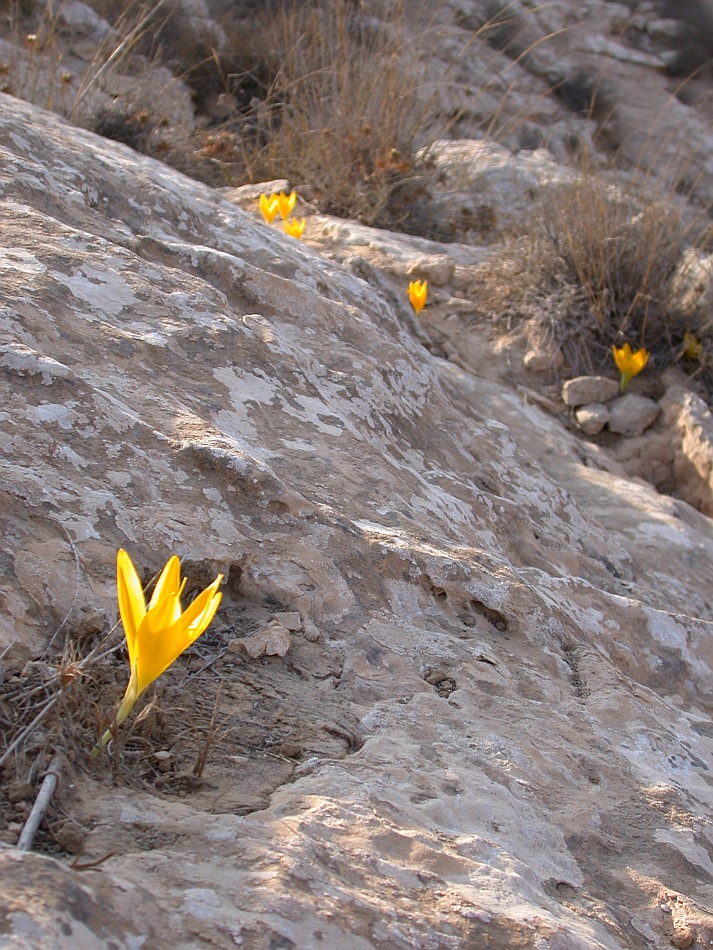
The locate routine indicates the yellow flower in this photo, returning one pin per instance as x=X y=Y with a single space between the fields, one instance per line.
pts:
x=157 y=635
x=629 y=364
x=692 y=346
x=269 y=207
x=417 y=292
x=295 y=228
x=285 y=204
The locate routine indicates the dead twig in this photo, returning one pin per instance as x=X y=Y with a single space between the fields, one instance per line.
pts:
x=209 y=738
x=78 y=865
x=49 y=783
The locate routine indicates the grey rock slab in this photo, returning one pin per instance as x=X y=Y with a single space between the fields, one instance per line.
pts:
x=584 y=390
x=499 y=645
x=689 y=417
x=632 y=414
x=437 y=270
x=591 y=419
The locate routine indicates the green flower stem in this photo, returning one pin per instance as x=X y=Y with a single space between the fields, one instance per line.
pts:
x=127 y=704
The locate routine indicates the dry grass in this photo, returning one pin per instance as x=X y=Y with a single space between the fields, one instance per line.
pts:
x=62 y=704
x=598 y=265
x=343 y=113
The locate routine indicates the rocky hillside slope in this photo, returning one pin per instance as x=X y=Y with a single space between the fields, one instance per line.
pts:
x=458 y=690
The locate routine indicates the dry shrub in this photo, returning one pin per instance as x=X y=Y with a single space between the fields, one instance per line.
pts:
x=599 y=264
x=39 y=64
x=343 y=112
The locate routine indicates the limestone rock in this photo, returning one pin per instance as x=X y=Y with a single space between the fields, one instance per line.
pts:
x=437 y=270
x=43 y=904
x=82 y=20
x=503 y=638
x=632 y=414
x=541 y=358
x=584 y=390
x=271 y=640
x=692 y=282
x=691 y=420
x=592 y=418
x=290 y=619
x=650 y=457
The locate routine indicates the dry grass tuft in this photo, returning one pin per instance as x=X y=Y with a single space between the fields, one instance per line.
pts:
x=63 y=704
x=598 y=265
x=343 y=112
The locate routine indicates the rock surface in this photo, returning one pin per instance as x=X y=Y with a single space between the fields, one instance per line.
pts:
x=632 y=414
x=494 y=725
x=692 y=424
x=583 y=390
x=591 y=419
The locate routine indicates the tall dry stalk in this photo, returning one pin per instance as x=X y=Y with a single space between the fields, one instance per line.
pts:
x=344 y=111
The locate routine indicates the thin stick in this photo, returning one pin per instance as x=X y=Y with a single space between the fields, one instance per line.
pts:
x=28 y=729
x=27 y=835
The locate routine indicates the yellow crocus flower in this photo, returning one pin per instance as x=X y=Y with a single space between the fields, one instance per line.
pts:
x=157 y=635
x=417 y=292
x=294 y=228
x=269 y=207
x=286 y=203
x=629 y=364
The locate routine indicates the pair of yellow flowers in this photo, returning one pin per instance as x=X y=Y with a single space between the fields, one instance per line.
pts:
x=283 y=205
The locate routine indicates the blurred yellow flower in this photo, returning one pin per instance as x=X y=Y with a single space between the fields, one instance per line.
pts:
x=269 y=207
x=286 y=203
x=157 y=635
x=294 y=228
x=692 y=346
x=417 y=292
x=628 y=363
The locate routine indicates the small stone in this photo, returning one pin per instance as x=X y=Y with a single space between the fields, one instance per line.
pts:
x=540 y=359
x=633 y=414
x=271 y=640
x=19 y=791
x=311 y=631
x=683 y=938
x=436 y=269
x=290 y=619
x=165 y=760
x=591 y=419
x=584 y=390
x=70 y=838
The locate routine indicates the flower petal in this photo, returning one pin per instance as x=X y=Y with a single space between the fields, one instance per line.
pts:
x=202 y=621
x=132 y=606
x=286 y=203
x=168 y=582
x=164 y=614
x=157 y=649
x=159 y=646
x=195 y=614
